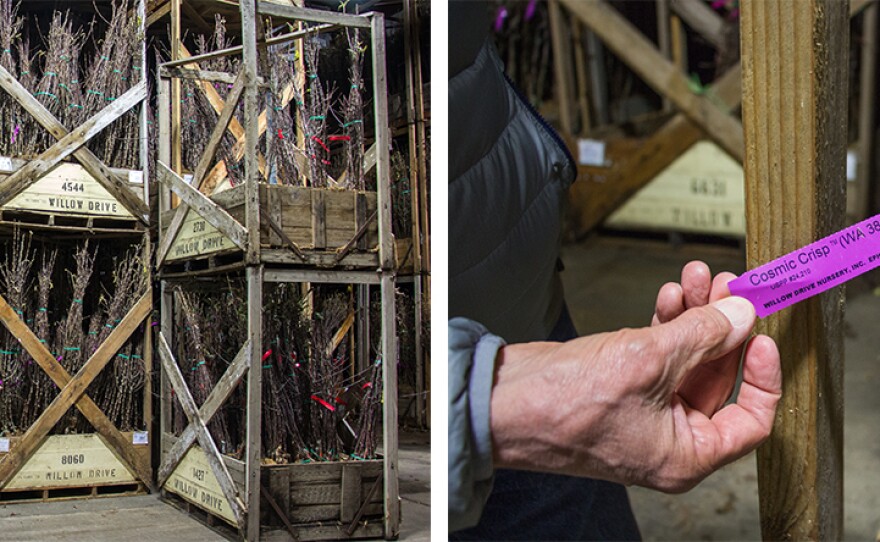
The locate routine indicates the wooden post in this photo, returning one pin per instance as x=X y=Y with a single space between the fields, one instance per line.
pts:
x=386 y=261
x=867 y=110
x=176 y=159
x=794 y=113
x=414 y=84
x=562 y=70
x=664 y=43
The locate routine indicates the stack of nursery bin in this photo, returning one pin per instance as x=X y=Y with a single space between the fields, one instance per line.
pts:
x=275 y=205
x=75 y=301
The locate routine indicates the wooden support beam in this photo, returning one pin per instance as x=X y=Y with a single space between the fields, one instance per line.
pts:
x=664 y=39
x=703 y=19
x=563 y=69
x=35 y=169
x=195 y=17
x=119 y=445
x=386 y=262
x=102 y=174
x=867 y=112
x=188 y=405
x=205 y=207
x=158 y=13
x=639 y=54
x=199 y=175
x=312 y=15
x=254 y=452
x=794 y=57
x=221 y=392
x=593 y=201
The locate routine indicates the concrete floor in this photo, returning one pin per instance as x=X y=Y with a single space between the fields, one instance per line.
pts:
x=147 y=519
x=612 y=283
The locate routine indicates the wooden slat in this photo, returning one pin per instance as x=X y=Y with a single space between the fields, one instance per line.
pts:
x=204 y=162
x=158 y=14
x=312 y=15
x=38 y=351
x=795 y=114
x=319 y=220
x=620 y=36
x=275 y=40
x=221 y=392
x=188 y=404
x=210 y=211
x=67 y=145
x=115 y=186
x=351 y=493
x=198 y=75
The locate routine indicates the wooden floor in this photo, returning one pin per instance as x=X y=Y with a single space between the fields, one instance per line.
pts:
x=144 y=518
x=121 y=519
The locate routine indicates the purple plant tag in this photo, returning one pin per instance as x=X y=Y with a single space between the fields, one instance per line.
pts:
x=812 y=269
x=499 y=18
x=530 y=9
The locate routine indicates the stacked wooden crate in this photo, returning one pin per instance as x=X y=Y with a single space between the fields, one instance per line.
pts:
x=277 y=224
x=63 y=196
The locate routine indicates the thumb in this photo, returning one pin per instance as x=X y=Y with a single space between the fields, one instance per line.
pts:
x=706 y=333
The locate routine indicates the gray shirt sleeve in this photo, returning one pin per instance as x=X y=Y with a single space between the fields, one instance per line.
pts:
x=472 y=352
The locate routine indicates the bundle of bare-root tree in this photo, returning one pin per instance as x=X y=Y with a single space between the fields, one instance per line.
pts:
x=75 y=70
x=315 y=406
x=72 y=300
x=315 y=131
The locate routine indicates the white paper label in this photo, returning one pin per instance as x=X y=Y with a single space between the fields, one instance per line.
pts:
x=591 y=152
x=136 y=176
x=6 y=164
x=852 y=164
x=140 y=437
x=4 y=444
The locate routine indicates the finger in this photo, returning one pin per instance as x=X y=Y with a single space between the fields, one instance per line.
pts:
x=696 y=282
x=704 y=333
x=709 y=385
x=743 y=426
x=720 y=289
x=670 y=303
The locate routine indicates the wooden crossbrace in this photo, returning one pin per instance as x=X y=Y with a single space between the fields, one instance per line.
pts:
x=31 y=172
x=215 y=460
x=91 y=163
x=205 y=160
x=631 y=46
x=594 y=202
x=344 y=250
x=73 y=391
x=224 y=387
x=204 y=206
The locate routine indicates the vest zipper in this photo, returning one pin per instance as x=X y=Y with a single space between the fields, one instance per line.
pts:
x=543 y=122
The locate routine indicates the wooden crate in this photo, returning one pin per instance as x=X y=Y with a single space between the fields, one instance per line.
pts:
x=314 y=219
x=73 y=466
x=701 y=192
x=69 y=198
x=320 y=501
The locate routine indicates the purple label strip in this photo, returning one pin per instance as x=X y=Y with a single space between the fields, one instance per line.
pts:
x=812 y=269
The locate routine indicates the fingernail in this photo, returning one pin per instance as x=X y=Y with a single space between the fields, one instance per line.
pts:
x=738 y=311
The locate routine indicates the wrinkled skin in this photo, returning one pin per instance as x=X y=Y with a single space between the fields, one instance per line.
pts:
x=642 y=406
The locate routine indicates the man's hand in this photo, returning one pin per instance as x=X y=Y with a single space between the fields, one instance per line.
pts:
x=710 y=384
x=630 y=406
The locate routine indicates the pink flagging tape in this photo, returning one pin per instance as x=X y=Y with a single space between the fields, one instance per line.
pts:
x=812 y=269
